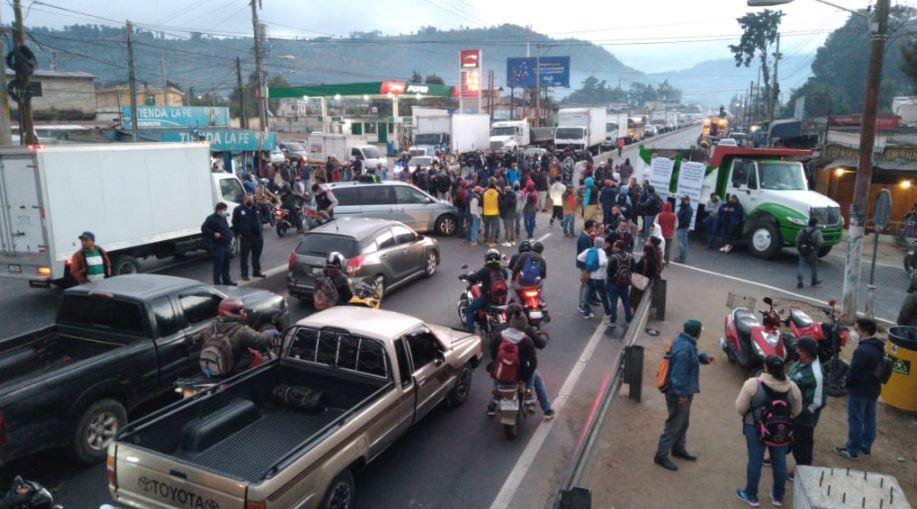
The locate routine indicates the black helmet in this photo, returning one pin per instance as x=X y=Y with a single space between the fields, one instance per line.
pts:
x=538 y=247
x=335 y=259
x=492 y=257
x=524 y=246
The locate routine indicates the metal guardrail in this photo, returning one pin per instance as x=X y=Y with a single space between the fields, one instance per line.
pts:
x=570 y=494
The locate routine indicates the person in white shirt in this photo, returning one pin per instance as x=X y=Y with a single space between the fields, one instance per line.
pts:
x=596 y=277
x=557 y=200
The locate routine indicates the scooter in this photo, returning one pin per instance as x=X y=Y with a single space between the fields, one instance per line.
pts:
x=513 y=405
x=489 y=317
x=831 y=336
x=27 y=495
x=748 y=342
x=536 y=309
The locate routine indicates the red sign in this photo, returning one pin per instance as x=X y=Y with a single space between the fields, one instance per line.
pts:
x=882 y=121
x=392 y=87
x=470 y=59
x=471 y=83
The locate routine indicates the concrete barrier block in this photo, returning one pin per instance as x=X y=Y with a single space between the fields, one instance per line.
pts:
x=844 y=488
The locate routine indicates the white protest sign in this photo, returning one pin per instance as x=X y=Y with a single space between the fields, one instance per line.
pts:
x=661 y=175
x=691 y=183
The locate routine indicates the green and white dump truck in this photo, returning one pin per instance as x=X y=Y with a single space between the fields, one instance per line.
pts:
x=772 y=188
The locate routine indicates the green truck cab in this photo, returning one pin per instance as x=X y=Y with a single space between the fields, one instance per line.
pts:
x=774 y=193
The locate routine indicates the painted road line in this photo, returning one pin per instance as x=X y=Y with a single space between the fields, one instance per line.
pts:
x=527 y=458
x=769 y=287
x=267 y=273
x=543 y=237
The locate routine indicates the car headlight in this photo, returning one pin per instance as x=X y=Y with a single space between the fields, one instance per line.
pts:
x=796 y=220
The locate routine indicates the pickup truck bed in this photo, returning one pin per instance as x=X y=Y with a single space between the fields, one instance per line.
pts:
x=43 y=351
x=213 y=430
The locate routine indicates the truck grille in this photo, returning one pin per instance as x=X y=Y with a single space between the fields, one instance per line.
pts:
x=496 y=144
x=827 y=216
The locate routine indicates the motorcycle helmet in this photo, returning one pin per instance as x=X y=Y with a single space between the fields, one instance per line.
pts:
x=538 y=247
x=335 y=259
x=524 y=246
x=231 y=306
x=492 y=257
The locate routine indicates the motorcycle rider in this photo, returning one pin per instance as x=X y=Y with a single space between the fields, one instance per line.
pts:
x=524 y=247
x=536 y=255
x=334 y=269
x=324 y=201
x=292 y=203
x=233 y=324
x=489 y=277
x=518 y=330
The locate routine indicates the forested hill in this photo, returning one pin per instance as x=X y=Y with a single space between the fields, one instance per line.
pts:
x=207 y=62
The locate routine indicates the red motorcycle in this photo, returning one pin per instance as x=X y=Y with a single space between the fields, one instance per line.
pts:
x=831 y=337
x=536 y=309
x=489 y=317
x=748 y=342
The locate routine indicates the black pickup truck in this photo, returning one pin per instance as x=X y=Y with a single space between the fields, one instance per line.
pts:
x=116 y=344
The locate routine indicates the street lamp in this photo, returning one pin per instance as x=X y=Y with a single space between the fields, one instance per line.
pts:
x=856 y=230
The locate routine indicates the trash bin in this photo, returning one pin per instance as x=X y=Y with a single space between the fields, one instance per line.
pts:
x=901 y=389
x=390 y=148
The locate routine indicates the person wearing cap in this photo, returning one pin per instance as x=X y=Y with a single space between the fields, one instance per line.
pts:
x=218 y=237
x=684 y=383
x=753 y=397
x=684 y=216
x=90 y=263
x=232 y=323
x=807 y=375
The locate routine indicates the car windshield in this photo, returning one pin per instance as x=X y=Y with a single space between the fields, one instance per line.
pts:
x=564 y=133
x=371 y=153
x=503 y=131
x=782 y=176
x=428 y=139
x=320 y=244
x=422 y=161
x=610 y=126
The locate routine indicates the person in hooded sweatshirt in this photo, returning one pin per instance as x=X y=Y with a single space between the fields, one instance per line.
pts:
x=607 y=197
x=590 y=199
x=908 y=313
x=666 y=220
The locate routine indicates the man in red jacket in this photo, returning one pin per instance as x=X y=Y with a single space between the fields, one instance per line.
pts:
x=666 y=220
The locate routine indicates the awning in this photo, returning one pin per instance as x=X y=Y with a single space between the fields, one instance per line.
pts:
x=373 y=89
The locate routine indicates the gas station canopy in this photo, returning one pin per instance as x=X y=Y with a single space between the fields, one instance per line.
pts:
x=376 y=89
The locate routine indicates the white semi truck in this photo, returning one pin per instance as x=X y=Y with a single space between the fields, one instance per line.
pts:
x=458 y=132
x=139 y=199
x=581 y=129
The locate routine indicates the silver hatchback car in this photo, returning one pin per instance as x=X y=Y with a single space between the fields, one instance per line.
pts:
x=395 y=201
x=383 y=254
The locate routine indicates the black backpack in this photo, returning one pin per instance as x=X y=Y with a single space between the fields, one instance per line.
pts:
x=773 y=419
x=805 y=242
x=883 y=369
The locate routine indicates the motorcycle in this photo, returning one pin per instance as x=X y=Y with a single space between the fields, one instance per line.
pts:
x=910 y=258
x=748 y=342
x=284 y=221
x=27 y=495
x=365 y=295
x=488 y=317
x=831 y=337
x=536 y=309
x=514 y=403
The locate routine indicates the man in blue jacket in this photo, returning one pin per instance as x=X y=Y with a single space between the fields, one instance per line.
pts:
x=863 y=388
x=684 y=383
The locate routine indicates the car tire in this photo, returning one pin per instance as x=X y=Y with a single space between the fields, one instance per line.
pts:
x=341 y=492
x=445 y=225
x=823 y=251
x=96 y=429
x=764 y=239
x=125 y=264
x=431 y=263
x=462 y=387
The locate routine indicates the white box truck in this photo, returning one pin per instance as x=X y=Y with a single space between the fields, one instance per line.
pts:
x=510 y=134
x=615 y=127
x=581 y=129
x=139 y=199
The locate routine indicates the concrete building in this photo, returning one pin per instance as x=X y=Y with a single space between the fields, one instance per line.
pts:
x=109 y=99
x=60 y=95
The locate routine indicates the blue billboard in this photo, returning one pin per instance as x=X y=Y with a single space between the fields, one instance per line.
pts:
x=552 y=72
x=177 y=116
x=224 y=140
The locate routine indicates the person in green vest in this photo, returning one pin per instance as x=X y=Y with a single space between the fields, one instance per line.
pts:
x=91 y=262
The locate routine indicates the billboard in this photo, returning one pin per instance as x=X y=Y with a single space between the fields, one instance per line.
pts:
x=470 y=59
x=552 y=72
x=177 y=116
x=225 y=140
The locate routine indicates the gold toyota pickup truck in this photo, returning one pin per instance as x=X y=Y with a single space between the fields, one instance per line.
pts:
x=294 y=432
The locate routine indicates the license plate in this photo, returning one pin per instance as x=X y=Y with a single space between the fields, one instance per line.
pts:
x=535 y=315
x=15 y=269
x=509 y=405
x=39 y=283
x=318 y=271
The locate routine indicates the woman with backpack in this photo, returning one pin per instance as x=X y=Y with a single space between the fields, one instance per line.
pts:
x=768 y=404
x=649 y=266
x=508 y=215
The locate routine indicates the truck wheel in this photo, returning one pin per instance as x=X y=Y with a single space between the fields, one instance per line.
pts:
x=125 y=264
x=823 y=251
x=462 y=387
x=445 y=225
x=764 y=240
x=96 y=429
x=341 y=492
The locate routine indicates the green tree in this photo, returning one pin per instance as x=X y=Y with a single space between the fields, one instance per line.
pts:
x=666 y=91
x=251 y=103
x=434 y=79
x=641 y=93
x=909 y=61
x=416 y=77
x=759 y=32
x=821 y=100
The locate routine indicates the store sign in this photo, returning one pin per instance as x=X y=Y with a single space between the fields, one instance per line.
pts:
x=392 y=87
x=470 y=59
x=177 y=116
x=229 y=140
x=418 y=89
x=471 y=83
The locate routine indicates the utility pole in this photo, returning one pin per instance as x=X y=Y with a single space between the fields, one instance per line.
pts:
x=131 y=80
x=26 y=123
x=243 y=120
x=259 y=69
x=537 y=85
x=775 y=90
x=5 y=138
x=864 y=169
x=165 y=79
x=53 y=60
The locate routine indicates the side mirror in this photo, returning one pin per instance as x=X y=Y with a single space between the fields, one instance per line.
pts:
x=439 y=358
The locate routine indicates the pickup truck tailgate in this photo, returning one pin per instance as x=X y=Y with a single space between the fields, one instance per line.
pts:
x=148 y=480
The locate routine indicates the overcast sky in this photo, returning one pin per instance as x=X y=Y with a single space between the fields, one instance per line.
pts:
x=649 y=35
